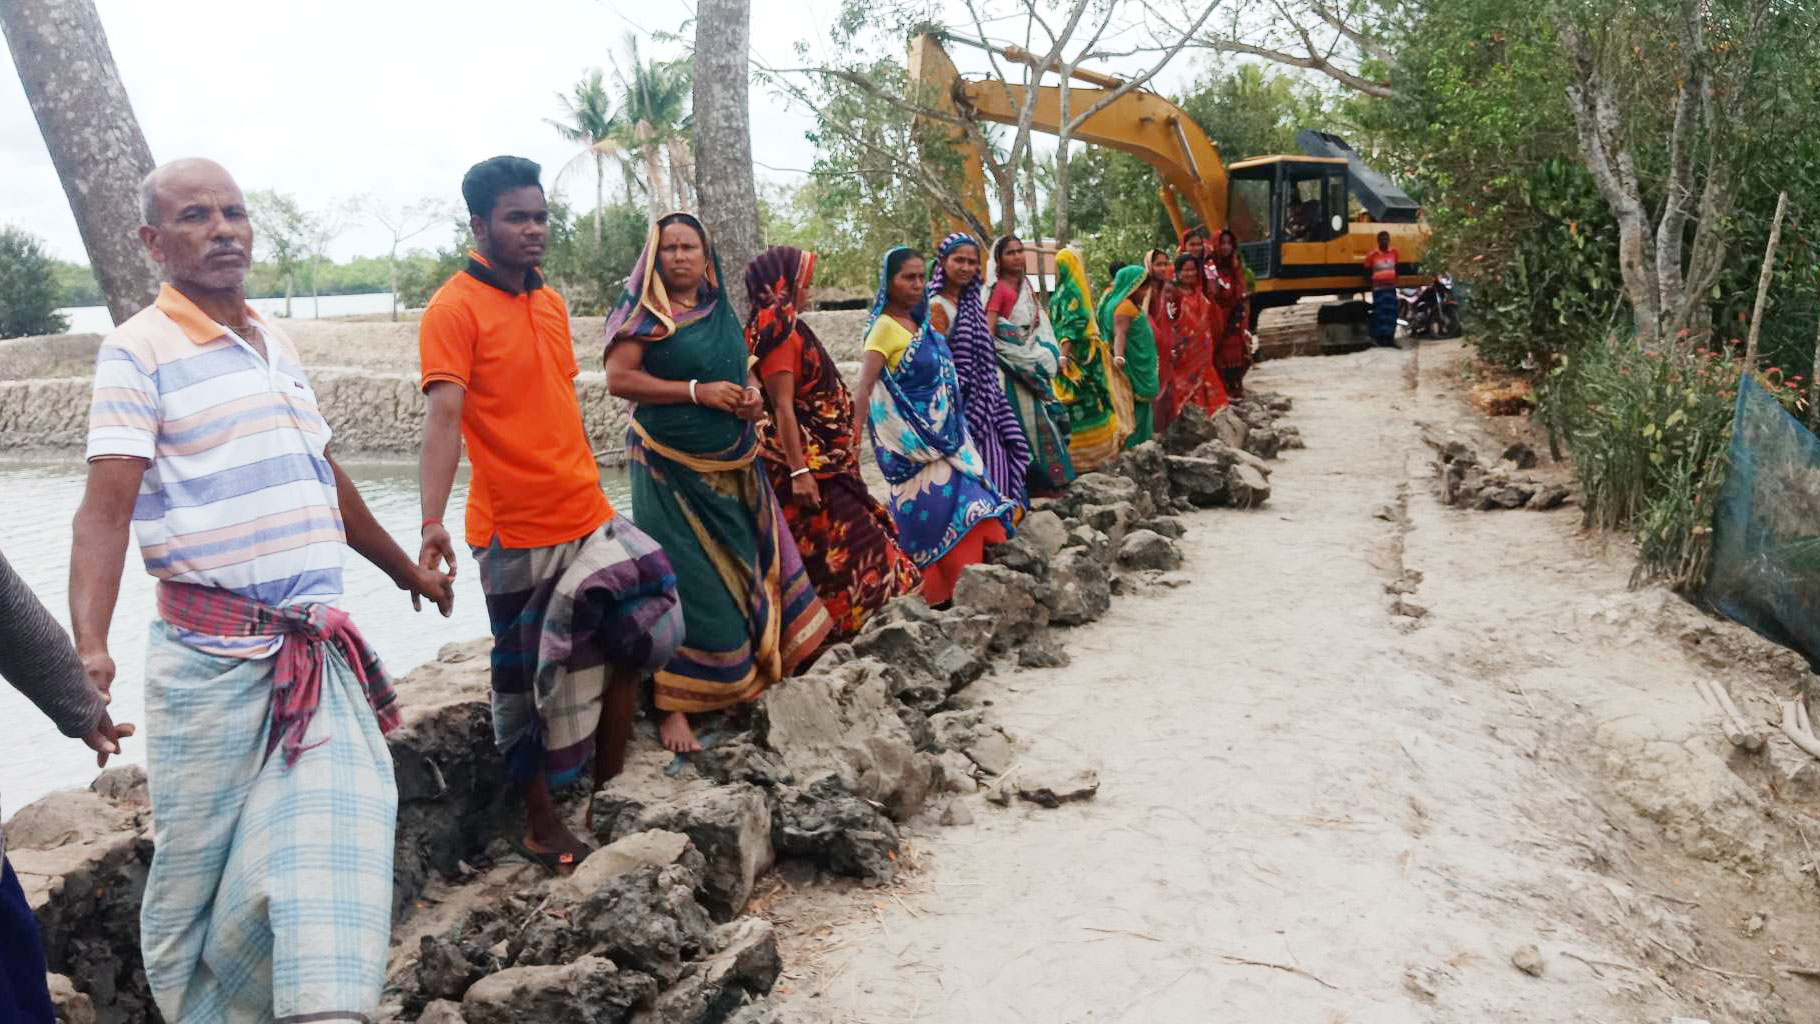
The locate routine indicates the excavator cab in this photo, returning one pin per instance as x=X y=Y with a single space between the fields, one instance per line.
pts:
x=1290 y=214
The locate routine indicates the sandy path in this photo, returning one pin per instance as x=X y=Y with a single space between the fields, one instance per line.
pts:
x=1290 y=774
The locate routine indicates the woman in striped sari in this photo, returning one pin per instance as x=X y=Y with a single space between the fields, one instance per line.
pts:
x=1096 y=396
x=750 y=612
x=957 y=313
x=1028 y=362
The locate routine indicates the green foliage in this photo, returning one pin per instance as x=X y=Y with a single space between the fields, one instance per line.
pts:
x=1114 y=208
x=76 y=284
x=1249 y=110
x=1648 y=432
x=863 y=195
x=29 y=294
x=421 y=273
x=282 y=231
x=590 y=276
x=1480 y=131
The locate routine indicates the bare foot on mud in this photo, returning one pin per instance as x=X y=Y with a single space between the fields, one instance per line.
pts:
x=677 y=735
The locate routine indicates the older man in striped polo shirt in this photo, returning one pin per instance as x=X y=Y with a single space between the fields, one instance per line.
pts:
x=272 y=793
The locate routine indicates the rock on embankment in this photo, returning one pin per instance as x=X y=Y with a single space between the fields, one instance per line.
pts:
x=820 y=777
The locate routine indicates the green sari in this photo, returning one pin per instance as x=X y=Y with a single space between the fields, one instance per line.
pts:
x=750 y=612
x=1140 y=352
x=1085 y=383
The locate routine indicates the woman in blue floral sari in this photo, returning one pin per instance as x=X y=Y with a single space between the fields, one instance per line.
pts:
x=945 y=509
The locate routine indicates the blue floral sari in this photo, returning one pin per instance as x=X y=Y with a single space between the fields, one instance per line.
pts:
x=939 y=489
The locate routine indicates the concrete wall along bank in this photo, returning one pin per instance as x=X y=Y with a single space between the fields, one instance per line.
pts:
x=364 y=373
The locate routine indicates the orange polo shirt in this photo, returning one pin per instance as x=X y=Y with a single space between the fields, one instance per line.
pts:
x=535 y=483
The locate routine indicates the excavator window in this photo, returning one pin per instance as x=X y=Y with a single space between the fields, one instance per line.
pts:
x=1249 y=201
x=1311 y=199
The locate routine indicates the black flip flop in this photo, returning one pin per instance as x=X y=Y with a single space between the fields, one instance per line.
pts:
x=554 y=862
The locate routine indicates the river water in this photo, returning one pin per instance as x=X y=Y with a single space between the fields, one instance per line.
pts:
x=37 y=501
x=95 y=319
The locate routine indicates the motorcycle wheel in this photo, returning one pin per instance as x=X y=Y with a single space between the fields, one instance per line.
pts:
x=1450 y=322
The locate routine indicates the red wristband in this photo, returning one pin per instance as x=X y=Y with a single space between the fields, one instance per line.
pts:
x=432 y=521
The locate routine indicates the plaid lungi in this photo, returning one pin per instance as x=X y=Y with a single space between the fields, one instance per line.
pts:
x=562 y=617
x=270 y=894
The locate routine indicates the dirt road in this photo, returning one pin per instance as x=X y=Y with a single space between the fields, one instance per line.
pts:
x=1324 y=803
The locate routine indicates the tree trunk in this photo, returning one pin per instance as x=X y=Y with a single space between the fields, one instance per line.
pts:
x=1005 y=179
x=723 y=137
x=654 y=172
x=1605 y=150
x=1031 y=200
x=600 y=195
x=392 y=278
x=1058 y=200
x=94 y=139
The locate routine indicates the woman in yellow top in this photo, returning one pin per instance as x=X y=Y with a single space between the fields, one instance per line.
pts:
x=945 y=508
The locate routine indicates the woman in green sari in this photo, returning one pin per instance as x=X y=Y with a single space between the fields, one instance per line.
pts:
x=675 y=349
x=1098 y=419
x=1122 y=318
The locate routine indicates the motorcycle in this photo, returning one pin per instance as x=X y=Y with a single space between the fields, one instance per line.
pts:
x=1430 y=311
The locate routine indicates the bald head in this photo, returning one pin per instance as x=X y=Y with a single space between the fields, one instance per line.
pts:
x=196 y=225
x=179 y=174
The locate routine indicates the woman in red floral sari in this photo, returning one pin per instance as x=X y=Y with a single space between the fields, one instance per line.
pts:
x=811 y=456
x=1232 y=346
x=1197 y=323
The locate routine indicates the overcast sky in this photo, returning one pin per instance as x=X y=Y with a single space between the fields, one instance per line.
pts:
x=395 y=98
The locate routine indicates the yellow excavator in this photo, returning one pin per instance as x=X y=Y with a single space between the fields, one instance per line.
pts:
x=1304 y=223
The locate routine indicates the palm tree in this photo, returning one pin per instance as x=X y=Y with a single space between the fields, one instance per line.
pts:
x=654 y=103
x=588 y=120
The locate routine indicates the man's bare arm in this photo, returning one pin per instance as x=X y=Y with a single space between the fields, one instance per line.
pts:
x=371 y=541
x=98 y=557
x=436 y=466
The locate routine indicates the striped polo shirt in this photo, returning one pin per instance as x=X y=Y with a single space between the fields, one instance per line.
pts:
x=238 y=491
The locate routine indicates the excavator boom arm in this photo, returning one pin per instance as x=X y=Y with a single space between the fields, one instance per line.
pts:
x=1142 y=124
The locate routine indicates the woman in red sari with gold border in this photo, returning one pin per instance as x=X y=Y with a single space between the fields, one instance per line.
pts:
x=1198 y=321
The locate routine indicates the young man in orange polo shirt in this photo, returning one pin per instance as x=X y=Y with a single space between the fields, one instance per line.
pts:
x=581 y=602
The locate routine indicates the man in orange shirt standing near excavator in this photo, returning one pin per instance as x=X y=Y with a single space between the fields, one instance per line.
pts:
x=1381 y=272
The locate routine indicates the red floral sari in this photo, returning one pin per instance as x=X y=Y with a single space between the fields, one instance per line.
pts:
x=1231 y=349
x=1197 y=322
x=848 y=544
x=1163 y=329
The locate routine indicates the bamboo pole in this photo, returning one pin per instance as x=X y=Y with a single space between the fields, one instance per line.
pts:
x=1769 y=264
x=1813 y=382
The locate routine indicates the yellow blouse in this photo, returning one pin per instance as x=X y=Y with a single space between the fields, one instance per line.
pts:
x=889 y=339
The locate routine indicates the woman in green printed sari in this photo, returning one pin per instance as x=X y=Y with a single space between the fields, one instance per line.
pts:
x=1096 y=396
x=1122 y=318
x=676 y=350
